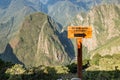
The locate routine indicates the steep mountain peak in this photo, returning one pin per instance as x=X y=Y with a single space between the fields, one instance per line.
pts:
x=66 y=8
x=38 y=43
x=105 y=22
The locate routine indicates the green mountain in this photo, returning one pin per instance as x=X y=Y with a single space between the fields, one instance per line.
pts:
x=39 y=43
x=105 y=23
x=63 y=11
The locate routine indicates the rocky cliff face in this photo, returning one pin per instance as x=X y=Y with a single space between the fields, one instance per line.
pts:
x=38 y=42
x=106 y=29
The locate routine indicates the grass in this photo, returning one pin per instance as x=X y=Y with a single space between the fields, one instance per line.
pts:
x=110 y=43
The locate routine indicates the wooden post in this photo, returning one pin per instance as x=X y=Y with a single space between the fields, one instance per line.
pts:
x=79 y=32
x=79 y=58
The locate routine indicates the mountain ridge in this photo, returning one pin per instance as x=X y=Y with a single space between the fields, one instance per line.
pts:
x=37 y=42
x=104 y=20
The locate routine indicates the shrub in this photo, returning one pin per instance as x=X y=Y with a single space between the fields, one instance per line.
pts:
x=15 y=77
x=72 y=68
x=95 y=59
x=16 y=69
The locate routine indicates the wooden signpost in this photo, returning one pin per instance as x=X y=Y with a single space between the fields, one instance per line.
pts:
x=79 y=32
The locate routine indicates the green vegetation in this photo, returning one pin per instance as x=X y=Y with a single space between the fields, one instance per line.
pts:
x=3 y=67
x=15 y=70
x=106 y=63
x=72 y=68
x=117 y=23
x=101 y=75
x=114 y=42
x=95 y=59
x=9 y=71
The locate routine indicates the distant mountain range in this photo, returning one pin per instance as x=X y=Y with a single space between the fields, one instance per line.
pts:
x=102 y=15
x=60 y=10
x=105 y=22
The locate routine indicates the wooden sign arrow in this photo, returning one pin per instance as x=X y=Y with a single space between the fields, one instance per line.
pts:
x=78 y=32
